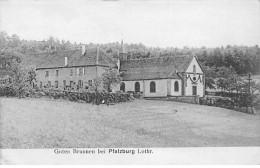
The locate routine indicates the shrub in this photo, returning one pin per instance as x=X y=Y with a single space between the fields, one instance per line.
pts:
x=7 y=90
x=83 y=95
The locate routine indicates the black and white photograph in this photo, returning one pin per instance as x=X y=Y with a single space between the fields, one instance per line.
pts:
x=129 y=82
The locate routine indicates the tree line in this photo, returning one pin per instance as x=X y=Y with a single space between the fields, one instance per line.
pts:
x=243 y=59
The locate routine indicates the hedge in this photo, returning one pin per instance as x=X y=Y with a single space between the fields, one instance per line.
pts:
x=239 y=103
x=76 y=96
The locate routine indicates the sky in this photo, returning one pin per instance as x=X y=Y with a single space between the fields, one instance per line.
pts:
x=175 y=23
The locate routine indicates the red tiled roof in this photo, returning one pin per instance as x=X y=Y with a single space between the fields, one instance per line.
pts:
x=155 y=68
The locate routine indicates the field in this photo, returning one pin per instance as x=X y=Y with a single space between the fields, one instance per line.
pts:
x=42 y=123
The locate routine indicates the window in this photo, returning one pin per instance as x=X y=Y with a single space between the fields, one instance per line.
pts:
x=122 y=86
x=80 y=83
x=81 y=71
x=71 y=83
x=176 y=86
x=64 y=83
x=90 y=82
x=47 y=74
x=57 y=72
x=49 y=83
x=152 y=87
x=194 y=68
x=137 y=87
x=71 y=72
x=40 y=84
x=56 y=84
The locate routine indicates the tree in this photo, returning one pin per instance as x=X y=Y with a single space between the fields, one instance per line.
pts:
x=15 y=41
x=18 y=79
x=226 y=77
x=31 y=75
x=111 y=78
x=210 y=76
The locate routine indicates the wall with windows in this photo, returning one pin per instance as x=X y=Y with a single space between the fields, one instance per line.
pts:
x=176 y=87
x=160 y=88
x=130 y=85
x=151 y=88
x=68 y=75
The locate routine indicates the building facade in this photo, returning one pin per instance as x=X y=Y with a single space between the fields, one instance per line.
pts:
x=75 y=69
x=151 y=77
x=161 y=77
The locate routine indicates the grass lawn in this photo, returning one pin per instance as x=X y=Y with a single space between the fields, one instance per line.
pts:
x=41 y=123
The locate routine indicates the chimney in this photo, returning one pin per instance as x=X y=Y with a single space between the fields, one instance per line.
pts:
x=97 y=57
x=66 y=61
x=83 y=49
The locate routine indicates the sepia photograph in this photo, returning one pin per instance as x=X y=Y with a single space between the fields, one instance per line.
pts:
x=129 y=82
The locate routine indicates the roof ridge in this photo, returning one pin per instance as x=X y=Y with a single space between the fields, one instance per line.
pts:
x=162 y=57
x=47 y=52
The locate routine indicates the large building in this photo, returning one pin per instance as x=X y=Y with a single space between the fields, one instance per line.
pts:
x=72 y=68
x=161 y=77
x=151 y=77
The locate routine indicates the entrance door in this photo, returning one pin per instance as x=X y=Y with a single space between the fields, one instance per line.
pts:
x=194 y=90
x=137 y=87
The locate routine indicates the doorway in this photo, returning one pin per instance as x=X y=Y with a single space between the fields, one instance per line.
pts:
x=194 y=90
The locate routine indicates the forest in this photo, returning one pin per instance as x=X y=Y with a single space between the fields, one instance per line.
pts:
x=240 y=60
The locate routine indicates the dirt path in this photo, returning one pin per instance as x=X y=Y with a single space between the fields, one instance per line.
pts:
x=37 y=123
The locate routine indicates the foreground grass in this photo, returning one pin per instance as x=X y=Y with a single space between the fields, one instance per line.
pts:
x=38 y=123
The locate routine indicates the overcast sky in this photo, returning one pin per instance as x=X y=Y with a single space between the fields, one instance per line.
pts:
x=154 y=23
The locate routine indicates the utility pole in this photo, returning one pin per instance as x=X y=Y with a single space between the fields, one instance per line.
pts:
x=249 y=83
x=249 y=89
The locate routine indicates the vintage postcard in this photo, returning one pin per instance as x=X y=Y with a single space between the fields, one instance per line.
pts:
x=129 y=82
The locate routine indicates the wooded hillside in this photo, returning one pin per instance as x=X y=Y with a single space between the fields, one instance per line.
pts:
x=244 y=59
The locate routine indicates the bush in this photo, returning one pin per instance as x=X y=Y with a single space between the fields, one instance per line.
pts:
x=240 y=102
x=225 y=103
x=256 y=102
x=6 y=90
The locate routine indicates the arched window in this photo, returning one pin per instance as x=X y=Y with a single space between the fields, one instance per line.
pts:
x=122 y=86
x=152 y=87
x=137 y=87
x=176 y=86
